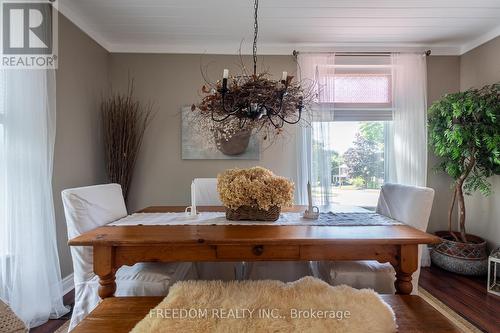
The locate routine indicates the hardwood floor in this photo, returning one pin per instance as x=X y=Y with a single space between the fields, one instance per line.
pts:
x=465 y=295
x=53 y=324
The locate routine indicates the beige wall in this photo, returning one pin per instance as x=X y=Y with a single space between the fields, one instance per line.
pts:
x=479 y=67
x=443 y=76
x=82 y=78
x=172 y=81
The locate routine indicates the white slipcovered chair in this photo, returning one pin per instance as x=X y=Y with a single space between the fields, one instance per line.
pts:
x=408 y=204
x=206 y=192
x=206 y=195
x=87 y=208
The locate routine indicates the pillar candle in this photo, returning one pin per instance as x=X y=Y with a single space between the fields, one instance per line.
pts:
x=285 y=75
x=193 y=199
x=309 y=196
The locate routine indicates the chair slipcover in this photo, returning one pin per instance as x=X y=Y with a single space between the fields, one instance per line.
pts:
x=87 y=208
x=206 y=192
x=408 y=204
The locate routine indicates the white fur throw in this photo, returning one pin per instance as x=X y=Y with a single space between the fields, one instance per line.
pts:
x=306 y=305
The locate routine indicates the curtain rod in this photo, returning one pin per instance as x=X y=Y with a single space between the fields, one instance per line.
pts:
x=295 y=53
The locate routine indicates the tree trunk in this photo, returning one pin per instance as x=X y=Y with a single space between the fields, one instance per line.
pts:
x=460 y=193
x=450 y=214
x=461 y=211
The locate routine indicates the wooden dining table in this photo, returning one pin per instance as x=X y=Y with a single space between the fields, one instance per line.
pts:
x=115 y=246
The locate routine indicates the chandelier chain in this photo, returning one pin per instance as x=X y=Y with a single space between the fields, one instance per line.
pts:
x=255 y=34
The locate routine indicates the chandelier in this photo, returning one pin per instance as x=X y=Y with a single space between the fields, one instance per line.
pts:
x=253 y=101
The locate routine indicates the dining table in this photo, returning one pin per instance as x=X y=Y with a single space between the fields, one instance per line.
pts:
x=118 y=245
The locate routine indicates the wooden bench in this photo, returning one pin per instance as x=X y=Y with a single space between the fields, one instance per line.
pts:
x=121 y=314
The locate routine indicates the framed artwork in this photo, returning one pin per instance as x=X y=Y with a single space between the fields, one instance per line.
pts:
x=196 y=145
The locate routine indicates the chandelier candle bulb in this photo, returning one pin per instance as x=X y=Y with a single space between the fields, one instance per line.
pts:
x=225 y=73
x=284 y=76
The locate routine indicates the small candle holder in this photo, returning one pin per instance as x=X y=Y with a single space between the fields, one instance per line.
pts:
x=312 y=213
x=191 y=211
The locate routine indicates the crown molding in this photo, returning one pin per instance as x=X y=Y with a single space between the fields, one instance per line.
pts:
x=490 y=35
x=83 y=24
x=282 y=49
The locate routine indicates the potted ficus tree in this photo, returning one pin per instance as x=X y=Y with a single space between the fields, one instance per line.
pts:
x=464 y=130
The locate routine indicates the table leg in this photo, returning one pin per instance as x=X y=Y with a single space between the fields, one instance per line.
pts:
x=105 y=269
x=406 y=266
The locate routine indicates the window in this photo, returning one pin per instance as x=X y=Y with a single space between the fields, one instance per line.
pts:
x=352 y=153
x=350 y=122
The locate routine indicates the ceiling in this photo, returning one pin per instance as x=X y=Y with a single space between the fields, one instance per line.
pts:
x=219 y=26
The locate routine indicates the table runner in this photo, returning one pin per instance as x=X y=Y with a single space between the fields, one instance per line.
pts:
x=218 y=218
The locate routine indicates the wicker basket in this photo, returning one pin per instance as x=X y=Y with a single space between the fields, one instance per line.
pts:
x=9 y=322
x=253 y=214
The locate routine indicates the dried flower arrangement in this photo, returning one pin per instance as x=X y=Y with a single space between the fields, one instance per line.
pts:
x=257 y=189
x=124 y=121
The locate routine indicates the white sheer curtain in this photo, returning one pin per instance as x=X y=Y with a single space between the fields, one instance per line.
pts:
x=407 y=139
x=312 y=70
x=304 y=168
x=30 y=278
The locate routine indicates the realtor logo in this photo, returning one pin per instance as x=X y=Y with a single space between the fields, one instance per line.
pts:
x=29 y=31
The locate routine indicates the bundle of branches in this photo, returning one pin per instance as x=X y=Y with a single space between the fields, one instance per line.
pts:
x=125 y=121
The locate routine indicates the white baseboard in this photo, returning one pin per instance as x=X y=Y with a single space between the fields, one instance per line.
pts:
x=68 y=284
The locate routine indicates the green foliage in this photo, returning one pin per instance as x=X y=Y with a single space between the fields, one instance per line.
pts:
x=364 y=159
x=321 y=159
x=336 y=162
x=358 y=182
x=464 y=130
x=373 y=131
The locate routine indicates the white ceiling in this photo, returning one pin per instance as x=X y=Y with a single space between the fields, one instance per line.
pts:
x=218 y=26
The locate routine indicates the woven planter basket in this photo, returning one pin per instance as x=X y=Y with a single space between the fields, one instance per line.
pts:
x=253 y=214
x=9 y=322
x=463 y=258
